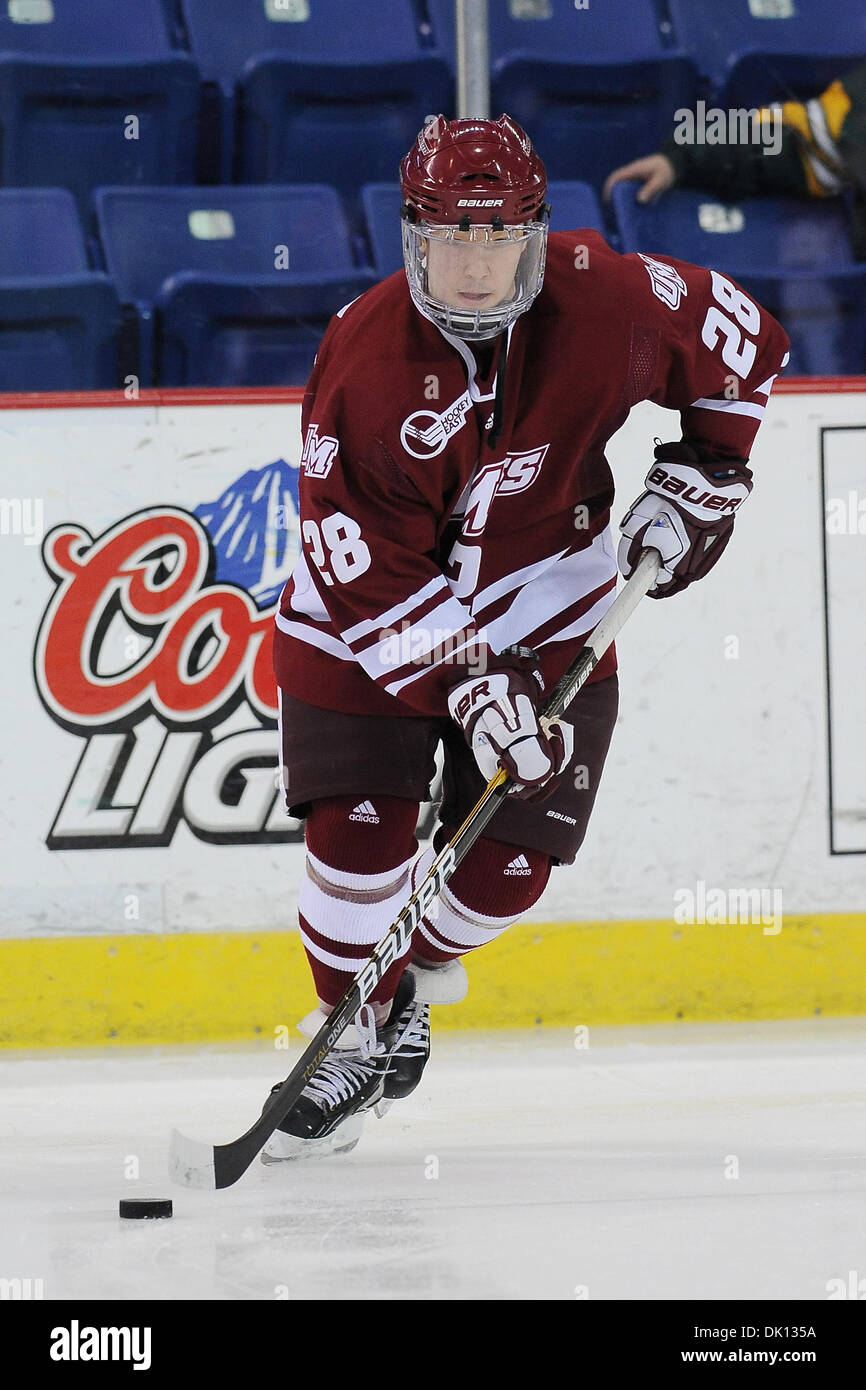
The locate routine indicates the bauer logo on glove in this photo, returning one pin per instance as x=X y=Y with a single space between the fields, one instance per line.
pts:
x=499 y=718
x=687 y=514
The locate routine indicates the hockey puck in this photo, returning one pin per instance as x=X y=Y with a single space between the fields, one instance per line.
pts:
x=140 y=1208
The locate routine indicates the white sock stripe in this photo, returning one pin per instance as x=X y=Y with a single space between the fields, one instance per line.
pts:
x=350 y=964
x=361 y=882
x=457 y=909
x=341 y=920
x=364 y=897
x=440 y=945
x=462 y=933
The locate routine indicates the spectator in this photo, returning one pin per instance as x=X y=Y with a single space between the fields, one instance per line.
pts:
x=822 y=154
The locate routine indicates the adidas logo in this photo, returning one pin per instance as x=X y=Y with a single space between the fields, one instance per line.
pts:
x=366 y=812
x=520 y=865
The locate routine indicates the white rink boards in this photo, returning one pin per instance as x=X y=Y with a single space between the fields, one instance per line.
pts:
x=719 y=769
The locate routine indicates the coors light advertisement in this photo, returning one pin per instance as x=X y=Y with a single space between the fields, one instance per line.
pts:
x=154 y=654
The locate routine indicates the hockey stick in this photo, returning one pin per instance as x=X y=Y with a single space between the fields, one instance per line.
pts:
x=194 y=1164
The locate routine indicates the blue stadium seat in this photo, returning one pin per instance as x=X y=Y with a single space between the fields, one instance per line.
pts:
x=793 y=255
x=793 y=49
x=223 y=330
x=225 y=37
x=40 y=233
x=80 y=123
x=573 y=204
x=176 y=247
x=381 y=203
x=60 y=322
x=288 y=132
x=322 y=94
x=594 y=87
x=93 y=29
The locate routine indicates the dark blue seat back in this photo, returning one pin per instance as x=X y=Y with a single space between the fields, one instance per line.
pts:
x=326 y=93
x=225 y=235
x=79 y=124
x=59 y=334
x=305 y=122
x=60 y=322
x=791 y=50
x=40 y=234
x=573 y=204
x=762 y=233
x=224 y=37
x=619 y=30
x=594 y=88
x=92 y=29
x=381 y=203
x=149 y=234
x=224 y=330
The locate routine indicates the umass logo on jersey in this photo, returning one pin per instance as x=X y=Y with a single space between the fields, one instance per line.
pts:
x=155 y=651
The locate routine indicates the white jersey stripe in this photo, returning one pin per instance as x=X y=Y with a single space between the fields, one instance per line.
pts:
x=586 y=622
x=312 y=635
x=732 y=407
x=515 y=580
x=399 y=610
x=820 y=130
x=396 y=685
x=305 y=596
x=766 y=386
x=414 y=644
x=556 y=591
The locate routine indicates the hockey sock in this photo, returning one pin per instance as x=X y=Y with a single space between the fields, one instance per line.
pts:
x=359 y=854
x=491 y=889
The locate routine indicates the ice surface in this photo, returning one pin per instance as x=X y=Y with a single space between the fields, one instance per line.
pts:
x=523 y=1168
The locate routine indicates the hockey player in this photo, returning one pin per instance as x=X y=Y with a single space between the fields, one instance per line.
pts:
x=455 y=506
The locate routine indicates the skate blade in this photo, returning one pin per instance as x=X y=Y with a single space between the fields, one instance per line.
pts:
x=286 y=1148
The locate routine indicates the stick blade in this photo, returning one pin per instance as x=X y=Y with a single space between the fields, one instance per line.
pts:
x=191 y=1163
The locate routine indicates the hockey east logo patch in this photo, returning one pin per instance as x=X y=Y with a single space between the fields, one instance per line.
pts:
x=154 y=654
x=425 y=433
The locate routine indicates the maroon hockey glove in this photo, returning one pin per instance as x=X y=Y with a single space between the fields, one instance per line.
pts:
x=498 y=715
x=687 y=514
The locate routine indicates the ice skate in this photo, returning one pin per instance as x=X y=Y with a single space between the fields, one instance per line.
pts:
x=439 y=984
x=367 y=1068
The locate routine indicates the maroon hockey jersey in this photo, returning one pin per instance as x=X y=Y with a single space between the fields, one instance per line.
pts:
x=427 y=549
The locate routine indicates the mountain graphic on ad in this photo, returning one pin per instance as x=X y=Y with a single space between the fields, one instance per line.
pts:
x=253 y=526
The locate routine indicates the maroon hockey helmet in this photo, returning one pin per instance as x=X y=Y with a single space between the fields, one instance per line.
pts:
x=473 y=184
x=473 y=169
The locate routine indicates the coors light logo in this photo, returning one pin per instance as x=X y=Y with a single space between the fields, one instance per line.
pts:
x=155 y=651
